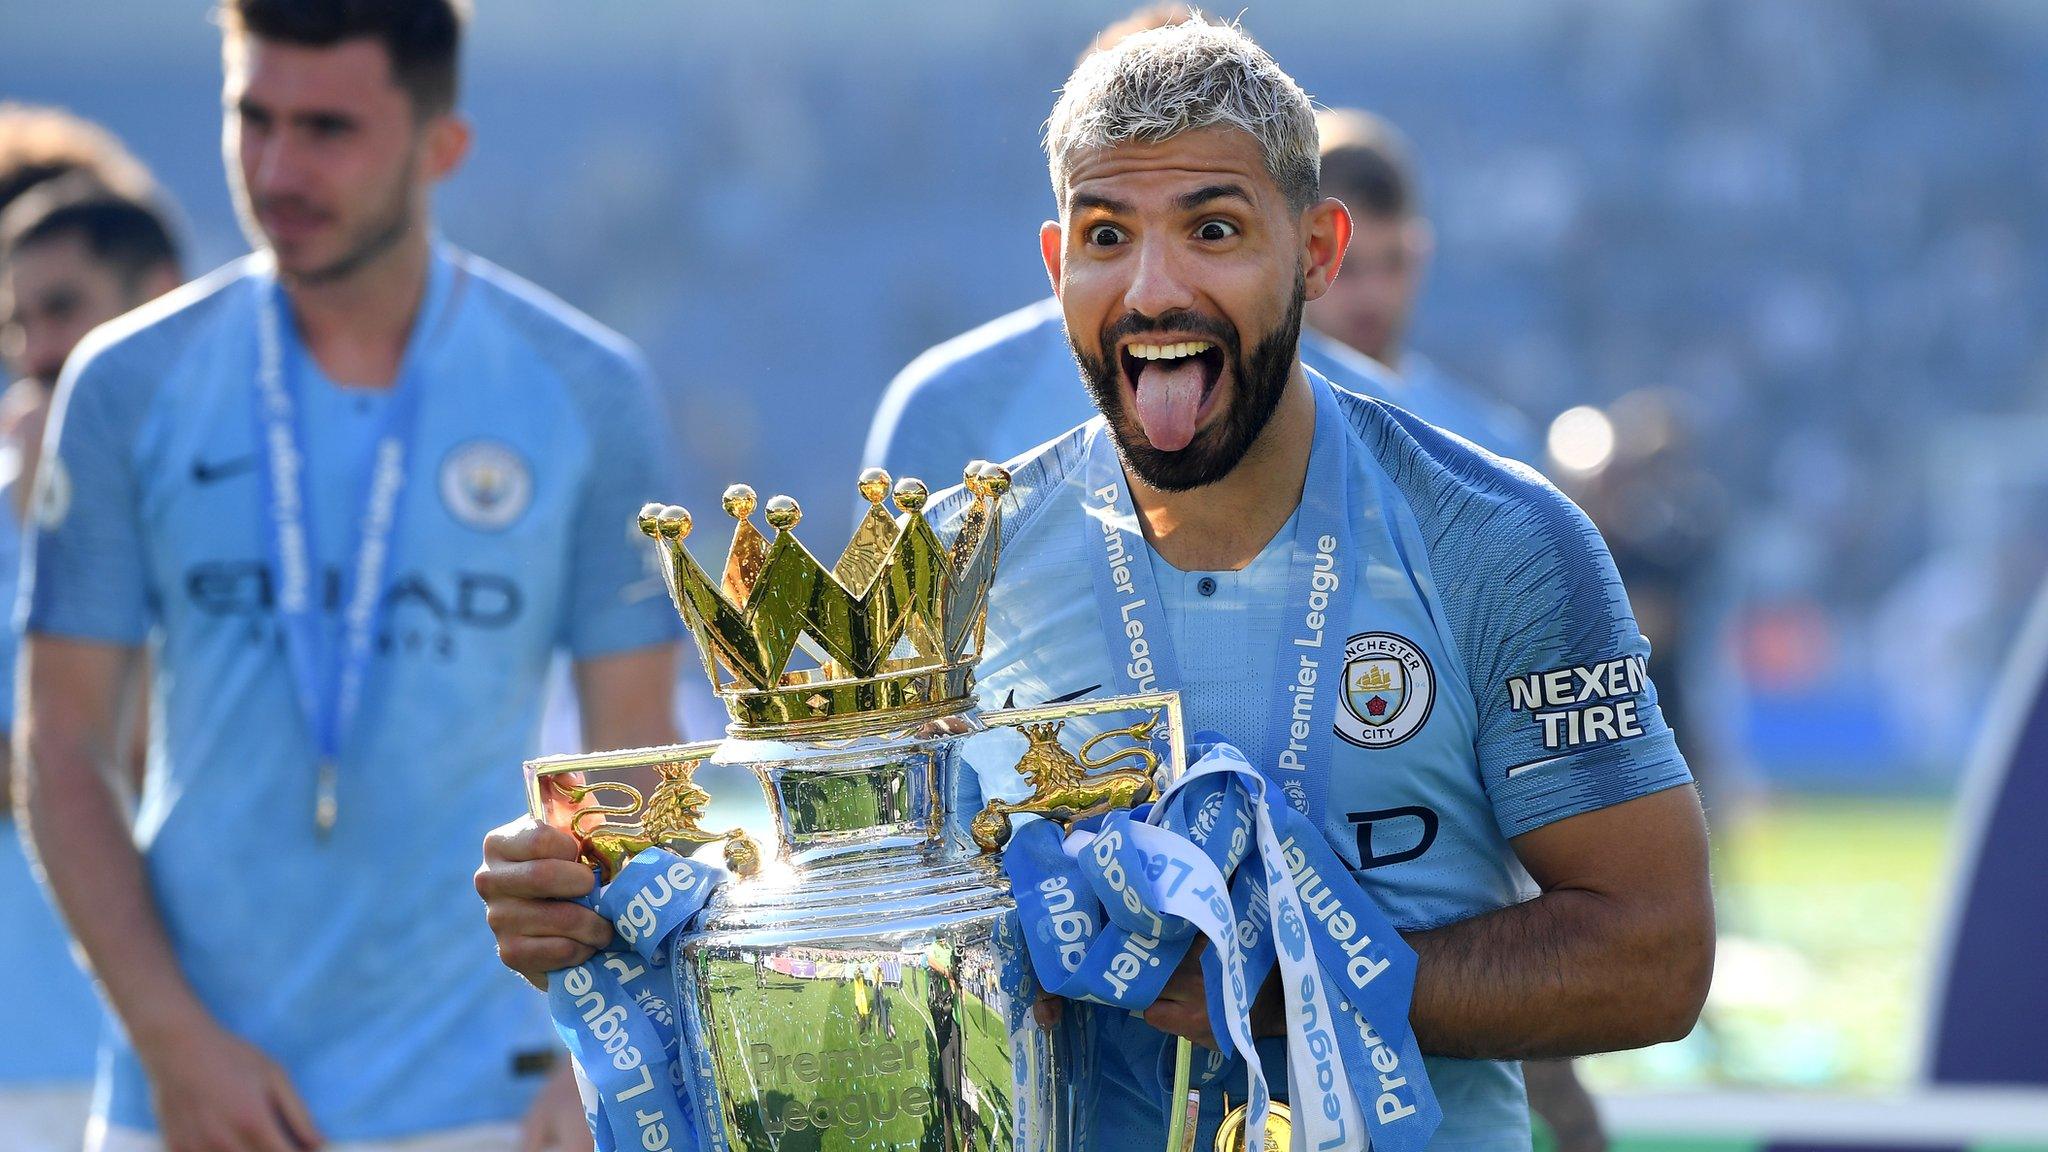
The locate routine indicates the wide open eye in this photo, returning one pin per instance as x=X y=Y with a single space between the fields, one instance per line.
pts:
x=1216 y=230
x=1105 y=235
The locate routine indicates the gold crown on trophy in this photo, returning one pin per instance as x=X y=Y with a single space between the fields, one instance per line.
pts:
x=893 y=629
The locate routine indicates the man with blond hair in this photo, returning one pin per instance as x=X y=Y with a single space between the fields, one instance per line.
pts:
x=1478 y=745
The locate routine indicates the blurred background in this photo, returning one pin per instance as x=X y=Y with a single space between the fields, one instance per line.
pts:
x=1772 y=274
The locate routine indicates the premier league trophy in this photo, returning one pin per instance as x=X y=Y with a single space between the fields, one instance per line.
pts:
x=865 y=986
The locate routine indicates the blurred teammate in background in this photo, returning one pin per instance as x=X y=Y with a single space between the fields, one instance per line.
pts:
x=350 y=490
x=1012 y=383
x=72 y=255
x=1368 y=165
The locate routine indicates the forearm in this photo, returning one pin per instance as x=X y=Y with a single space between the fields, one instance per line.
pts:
x=77 y=828
x=1569 y=973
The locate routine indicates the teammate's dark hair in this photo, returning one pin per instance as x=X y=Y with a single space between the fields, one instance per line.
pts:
x=130 y=237
x=423 y=37
x=1366 y=164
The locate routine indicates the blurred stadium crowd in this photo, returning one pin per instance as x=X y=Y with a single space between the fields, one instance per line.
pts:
x=1811 y=229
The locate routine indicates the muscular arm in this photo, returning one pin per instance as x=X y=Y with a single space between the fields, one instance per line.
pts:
x=625 y=698
x=1616 y=953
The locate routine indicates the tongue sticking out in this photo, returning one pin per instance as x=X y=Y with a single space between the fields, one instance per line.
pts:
x=1169 y=396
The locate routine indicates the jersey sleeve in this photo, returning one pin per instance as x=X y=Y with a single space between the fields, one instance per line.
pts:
x=616 y=599
x=85 y=569
x=1567 y=718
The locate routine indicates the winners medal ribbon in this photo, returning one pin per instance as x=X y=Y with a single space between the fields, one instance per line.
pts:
x=1348 y=994
x=617 y=1011
x=327 y=678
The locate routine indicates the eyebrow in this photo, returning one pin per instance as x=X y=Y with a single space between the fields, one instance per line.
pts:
x=1209 y=192
x=1083 y=201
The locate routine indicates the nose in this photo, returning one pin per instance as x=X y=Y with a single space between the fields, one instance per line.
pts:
x=272 y=163
x=1157 y=283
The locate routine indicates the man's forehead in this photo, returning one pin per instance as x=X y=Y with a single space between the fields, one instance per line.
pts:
x=1195 y=158
x=336 y=74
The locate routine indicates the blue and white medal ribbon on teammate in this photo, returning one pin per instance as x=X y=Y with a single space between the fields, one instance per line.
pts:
x=1348 y=977
x=328 y=679
x=616 y=1012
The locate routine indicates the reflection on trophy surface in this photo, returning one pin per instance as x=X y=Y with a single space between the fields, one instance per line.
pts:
x=864 y=986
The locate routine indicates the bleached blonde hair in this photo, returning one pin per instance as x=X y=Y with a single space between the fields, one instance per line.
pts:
x=1154 y=85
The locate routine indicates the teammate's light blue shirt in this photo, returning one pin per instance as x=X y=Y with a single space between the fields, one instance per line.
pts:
x=1525 y=702
x=53 y=1002
x=996 y=390
x=360 y=962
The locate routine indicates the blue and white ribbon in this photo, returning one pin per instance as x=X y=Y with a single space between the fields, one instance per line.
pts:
x=617 y=1012
x=1110 y=909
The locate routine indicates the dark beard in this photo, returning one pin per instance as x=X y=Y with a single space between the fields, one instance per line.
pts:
x=1261 y=379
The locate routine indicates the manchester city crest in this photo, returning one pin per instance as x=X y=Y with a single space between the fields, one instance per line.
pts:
x=486 y=484
x=1389 y=689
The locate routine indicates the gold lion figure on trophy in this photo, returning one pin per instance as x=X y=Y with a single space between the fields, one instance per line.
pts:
x=1062 y=789
x=672 y=814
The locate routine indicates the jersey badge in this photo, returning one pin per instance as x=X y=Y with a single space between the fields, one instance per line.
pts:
x=486 y=484
x=1389 y=689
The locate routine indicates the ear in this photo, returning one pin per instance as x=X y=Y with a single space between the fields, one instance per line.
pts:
x=1052 y=241
x=448 y=138
x=1325 y=234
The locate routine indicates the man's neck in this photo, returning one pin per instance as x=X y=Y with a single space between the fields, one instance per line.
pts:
x=356 y=326
x=1224 y=526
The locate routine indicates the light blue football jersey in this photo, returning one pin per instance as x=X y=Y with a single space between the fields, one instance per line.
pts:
x=1493 y=683
x=1012 y=383
x=53 y=1002
x=361 y=961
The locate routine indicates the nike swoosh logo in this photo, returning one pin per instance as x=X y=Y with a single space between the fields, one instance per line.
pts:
x=205 y=473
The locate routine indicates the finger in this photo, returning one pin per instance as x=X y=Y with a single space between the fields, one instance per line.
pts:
x=533 y=1133
x=548 y=918
x=298 y=1119
x=535 y=957
x=529 y=839
x=1179 y=1020
x=545 y=879
x=1048 y=1011
x=261 y=1130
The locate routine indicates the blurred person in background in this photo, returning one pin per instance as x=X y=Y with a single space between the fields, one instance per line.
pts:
x=72 y=255
x=354 y=491
x=39 y=143
x=1368 y=164
x=1012 y=383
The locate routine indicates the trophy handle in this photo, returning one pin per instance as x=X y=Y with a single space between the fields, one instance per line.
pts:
x=613 y=819
x=1066 y=785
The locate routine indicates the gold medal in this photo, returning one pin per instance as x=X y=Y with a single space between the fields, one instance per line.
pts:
x=1279 y=1129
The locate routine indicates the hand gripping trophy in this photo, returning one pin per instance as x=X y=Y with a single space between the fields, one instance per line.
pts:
x=866 y=984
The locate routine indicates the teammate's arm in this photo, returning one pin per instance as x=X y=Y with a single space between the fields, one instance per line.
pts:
x=211 y=1089
x=1616 y=953
x=624 y=698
